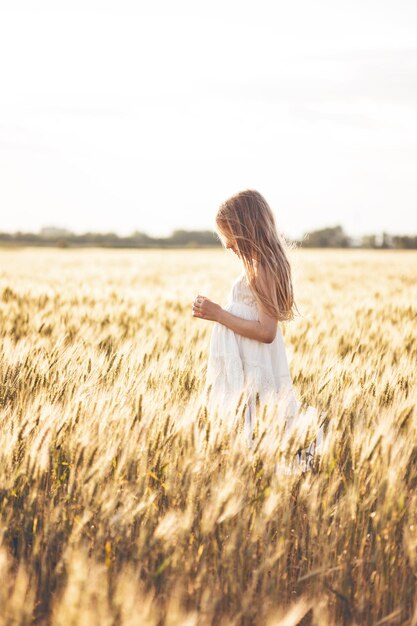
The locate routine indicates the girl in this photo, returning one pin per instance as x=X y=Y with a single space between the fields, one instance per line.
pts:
x=247 y=351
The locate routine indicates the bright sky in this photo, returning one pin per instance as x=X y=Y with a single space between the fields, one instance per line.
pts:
x=146 y=115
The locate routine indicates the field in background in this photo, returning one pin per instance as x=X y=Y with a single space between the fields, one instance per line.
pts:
x=124 y=502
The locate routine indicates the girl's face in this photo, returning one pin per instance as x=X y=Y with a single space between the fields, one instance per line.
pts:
x=229 y=241
x=231 y=245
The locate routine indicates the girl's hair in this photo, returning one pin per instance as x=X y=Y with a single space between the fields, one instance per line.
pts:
x=246 y=219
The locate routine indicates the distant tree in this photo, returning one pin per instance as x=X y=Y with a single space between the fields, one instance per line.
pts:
x=331 y=237
x=141 y=238
x=196 y=237
x=368 y=241
x=386 y=241
x=404 y=242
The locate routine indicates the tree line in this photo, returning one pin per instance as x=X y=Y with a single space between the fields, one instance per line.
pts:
x=331 y=237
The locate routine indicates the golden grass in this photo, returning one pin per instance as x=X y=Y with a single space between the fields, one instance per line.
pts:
x=123 y=502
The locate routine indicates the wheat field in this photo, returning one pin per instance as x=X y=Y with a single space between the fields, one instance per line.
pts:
x=124 y=502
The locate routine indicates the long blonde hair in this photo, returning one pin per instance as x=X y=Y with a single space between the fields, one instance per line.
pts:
x=247 y=218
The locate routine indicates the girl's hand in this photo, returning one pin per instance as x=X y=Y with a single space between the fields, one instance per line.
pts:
x=206 y=309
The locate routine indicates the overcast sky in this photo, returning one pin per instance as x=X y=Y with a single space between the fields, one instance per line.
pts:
x=146 y=115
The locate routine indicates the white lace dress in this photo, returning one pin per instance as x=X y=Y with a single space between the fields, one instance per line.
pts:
x=239 y=365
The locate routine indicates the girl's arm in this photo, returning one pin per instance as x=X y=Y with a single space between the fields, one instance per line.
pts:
x=263 y=330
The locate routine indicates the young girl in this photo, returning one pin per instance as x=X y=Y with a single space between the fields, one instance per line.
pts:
x=247 y=351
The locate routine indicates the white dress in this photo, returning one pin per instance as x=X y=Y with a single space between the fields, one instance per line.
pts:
x=239 y=365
